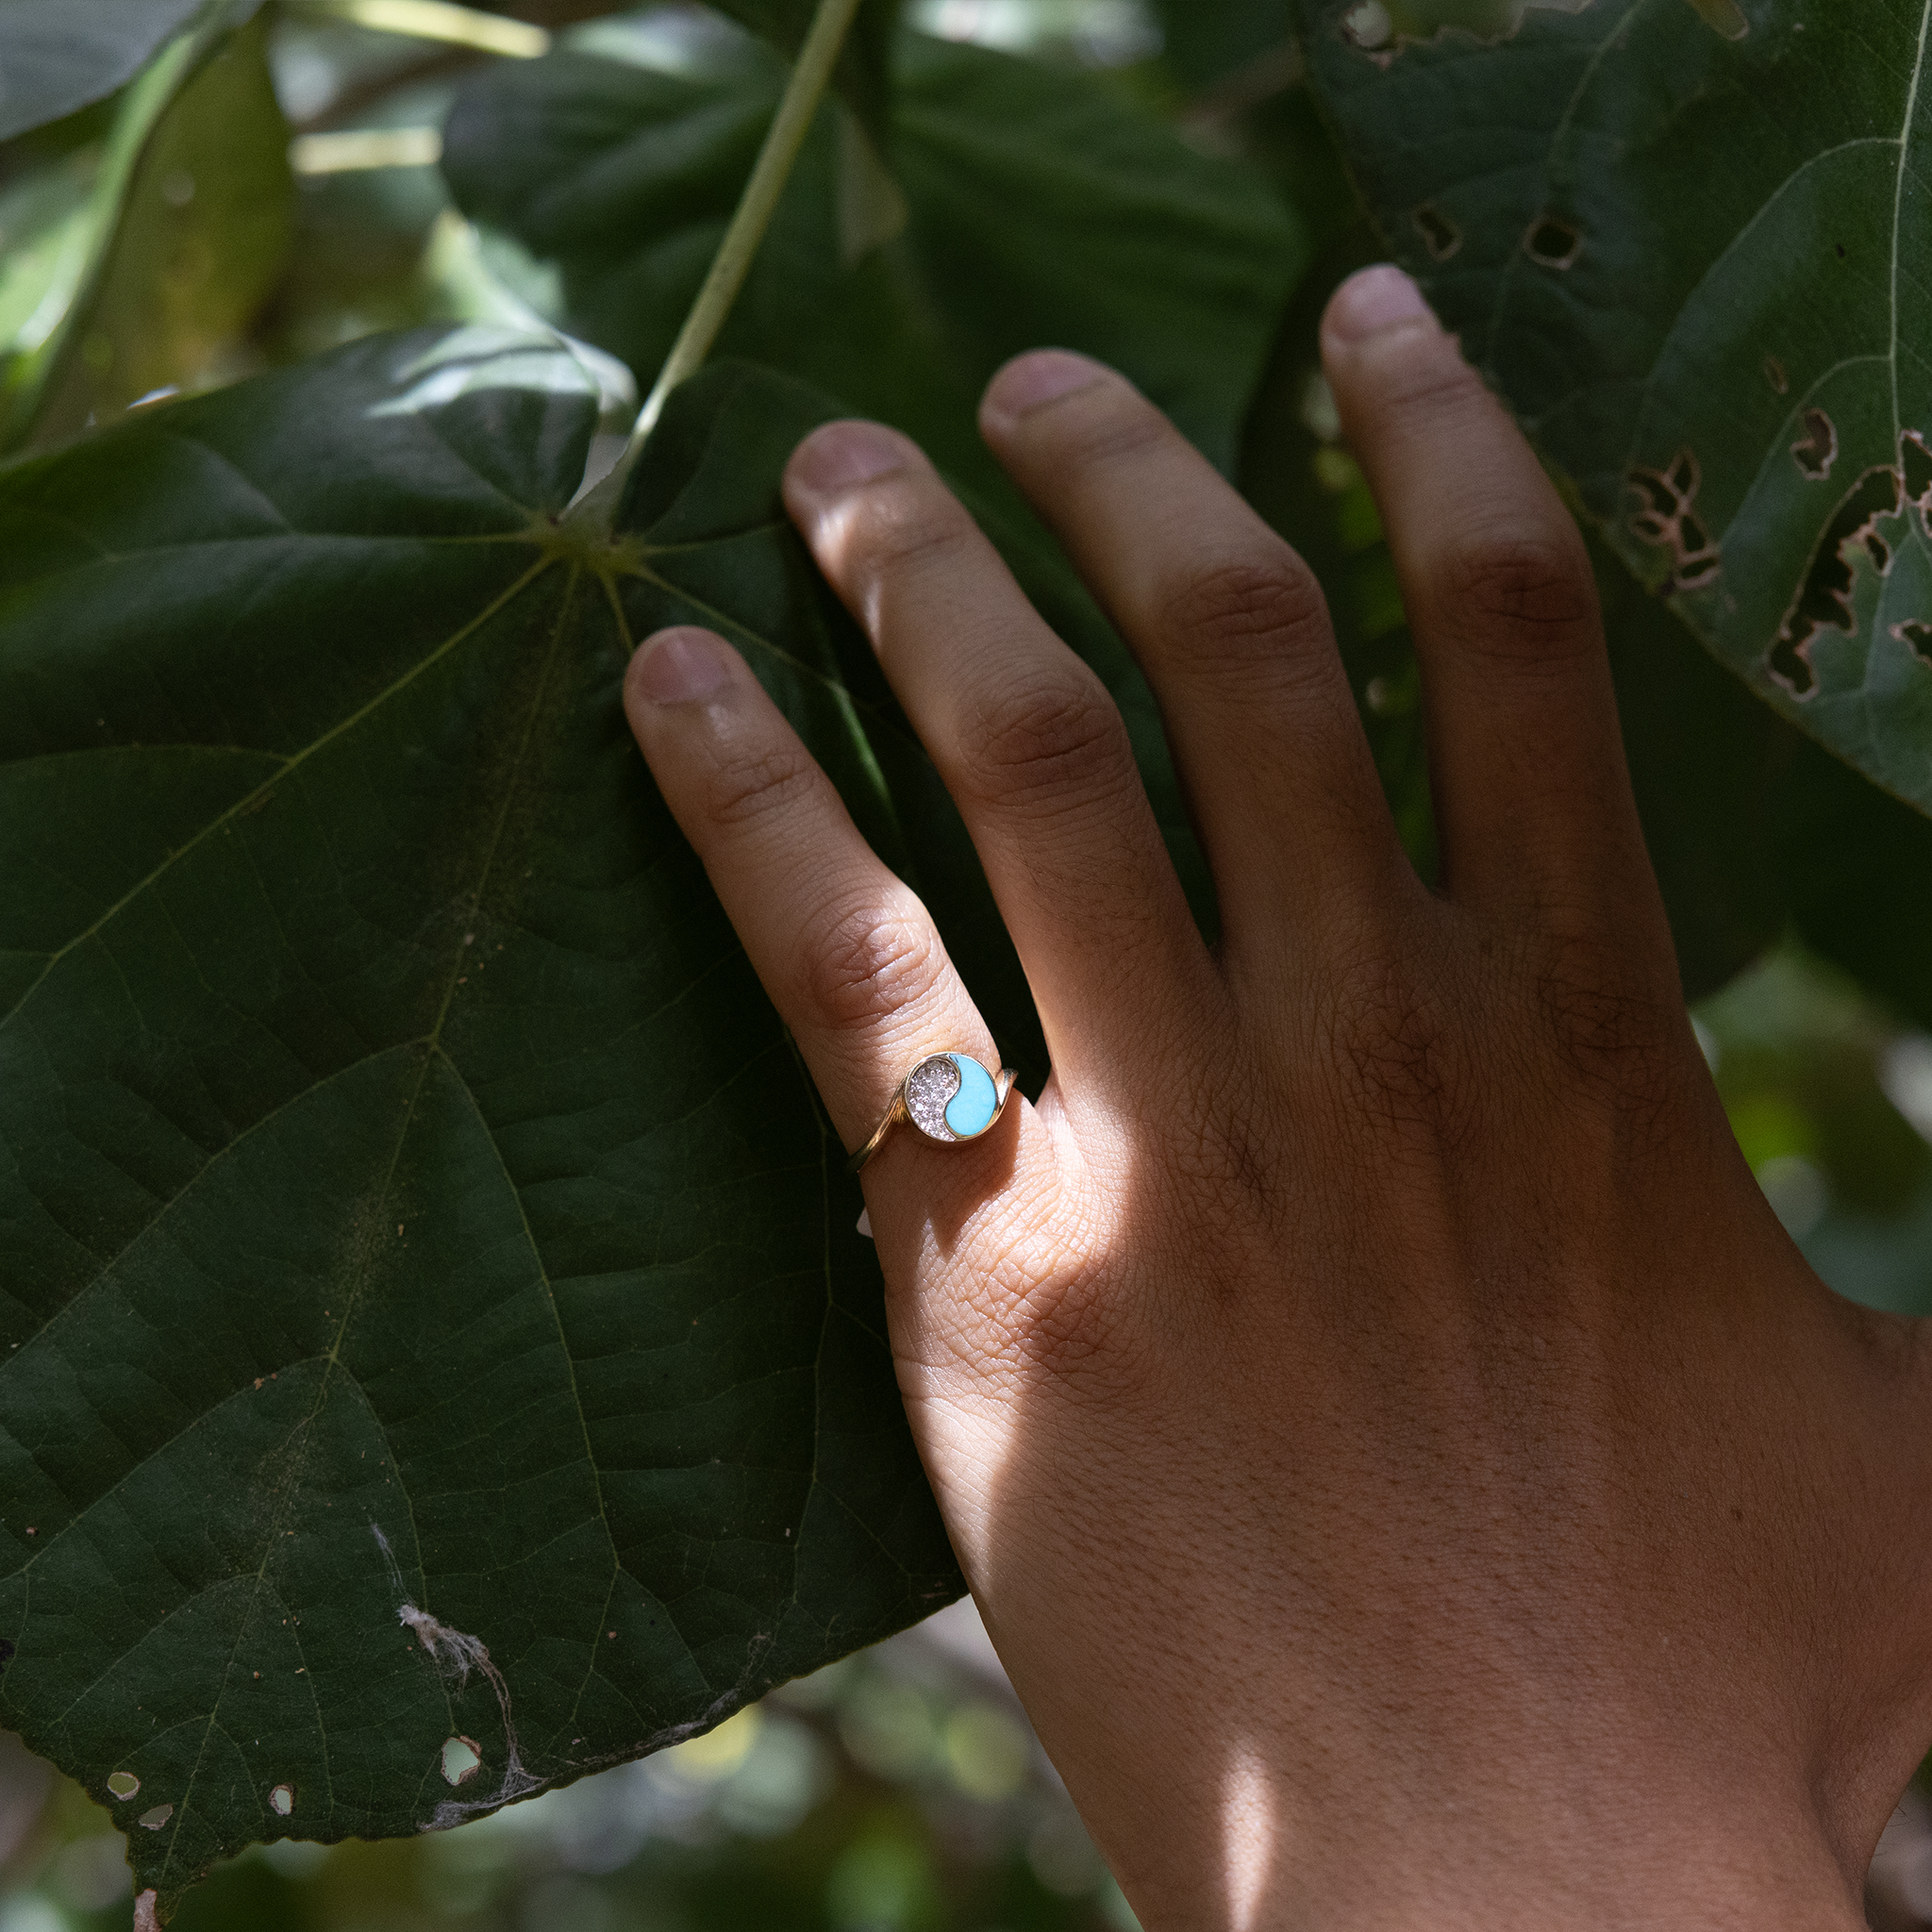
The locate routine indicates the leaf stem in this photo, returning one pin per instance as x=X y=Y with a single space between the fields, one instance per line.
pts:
x=809 y=73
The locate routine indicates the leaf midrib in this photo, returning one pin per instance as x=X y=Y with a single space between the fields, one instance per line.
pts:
x=1904 y=145
x=290 y=1491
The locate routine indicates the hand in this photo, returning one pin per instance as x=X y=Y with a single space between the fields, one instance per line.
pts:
x=1408 y=1472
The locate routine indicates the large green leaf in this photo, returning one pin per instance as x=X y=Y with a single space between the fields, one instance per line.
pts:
x=132 y=261
x=411 y=1206
x=57 y=56
x=1203 y=45
x=198 y=245
x=1037 y=207
x=1695 y=265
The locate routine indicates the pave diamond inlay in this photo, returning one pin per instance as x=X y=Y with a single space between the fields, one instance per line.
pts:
x=930 y=1085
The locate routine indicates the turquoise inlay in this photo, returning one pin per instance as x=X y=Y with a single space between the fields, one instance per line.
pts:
x=971 y=1110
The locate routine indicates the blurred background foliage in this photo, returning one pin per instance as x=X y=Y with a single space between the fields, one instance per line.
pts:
x=291 y=199
x=900 y=1789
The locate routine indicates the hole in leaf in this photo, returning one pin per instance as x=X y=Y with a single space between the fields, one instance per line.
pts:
x=124 y=1784
x=1775 y=374
x=1664 y=516
x=462 y=1757
x=1552 y=243
x=1320 y=415
x=1384 y=29
x=1919 y=636
x=1915 y=467
x=1816 y=451
x=1369 y=24
x=1440 y=236
x=281 y=1801
x=154 y=1819
x=1825 y=599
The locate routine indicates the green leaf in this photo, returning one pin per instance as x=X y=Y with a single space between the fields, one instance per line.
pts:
x=199 y=243
x=1709 y=766
x=1040 y=208
x=144 y=256
x=61 y=56
x=1692 y=264
x=1848 y=858
x=393 y=1135
x=50 y=224
x=427 y=1160
x=1203 y=45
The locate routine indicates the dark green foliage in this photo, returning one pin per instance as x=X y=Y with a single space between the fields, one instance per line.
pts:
x=1690 y=262
x=1022 y=207
x=62 y=56
x=1221 y=43
x=395 y=1136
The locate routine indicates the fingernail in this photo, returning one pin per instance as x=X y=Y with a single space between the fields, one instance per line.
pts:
x=842 y=456
x=1029 y=381
x=679 y=666
x=1376 y=299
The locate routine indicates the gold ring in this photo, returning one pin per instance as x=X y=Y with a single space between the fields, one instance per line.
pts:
x=949 y=1097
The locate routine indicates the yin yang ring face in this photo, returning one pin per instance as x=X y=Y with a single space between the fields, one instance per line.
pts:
x=950 y=1097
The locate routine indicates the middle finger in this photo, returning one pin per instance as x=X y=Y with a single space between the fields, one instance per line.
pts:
x=1233 y=632
x=1028 y=742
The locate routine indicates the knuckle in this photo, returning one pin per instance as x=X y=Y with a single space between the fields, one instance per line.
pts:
x=1521 y=592
x=1612 y=1033
x=1225 y=1185
x=1057 y=1310
x=863 y=964
x=1054 y=732
x=900 y=526
x=1395 y=1048
x=1265 y=606
x=748 y=784
x=1214 y=1125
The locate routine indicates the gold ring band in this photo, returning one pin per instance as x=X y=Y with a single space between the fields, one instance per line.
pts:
x=949 y=1098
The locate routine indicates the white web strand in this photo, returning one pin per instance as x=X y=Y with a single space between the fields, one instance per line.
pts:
x=455 y=1654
